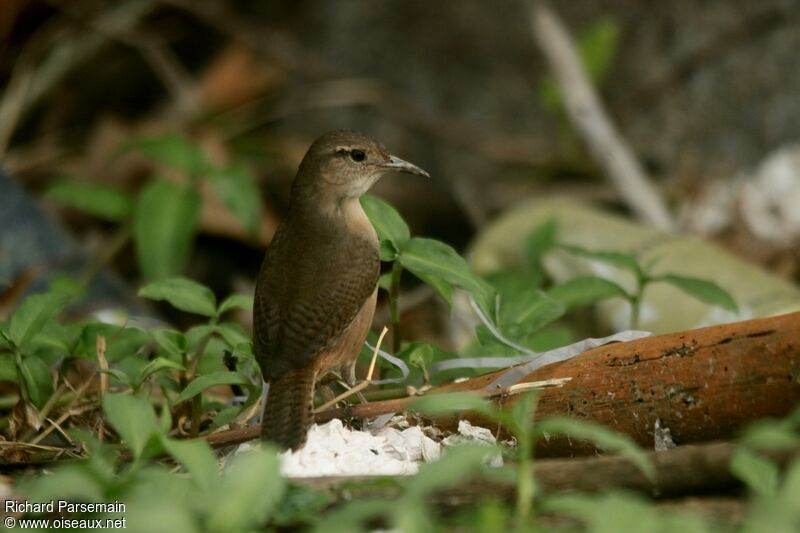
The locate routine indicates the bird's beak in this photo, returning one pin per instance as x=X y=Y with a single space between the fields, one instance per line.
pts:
x=395 y=163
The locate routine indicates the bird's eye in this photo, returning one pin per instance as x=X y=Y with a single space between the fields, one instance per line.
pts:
x=358 y=155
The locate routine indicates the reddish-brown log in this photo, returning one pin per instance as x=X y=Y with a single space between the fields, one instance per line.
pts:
x=702 y=385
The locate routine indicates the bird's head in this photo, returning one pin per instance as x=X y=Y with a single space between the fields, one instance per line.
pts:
x=345 y=164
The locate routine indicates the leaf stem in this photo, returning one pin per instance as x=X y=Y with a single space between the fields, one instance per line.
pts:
x=394 y=305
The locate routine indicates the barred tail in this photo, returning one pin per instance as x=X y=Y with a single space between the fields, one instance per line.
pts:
x=288 y=414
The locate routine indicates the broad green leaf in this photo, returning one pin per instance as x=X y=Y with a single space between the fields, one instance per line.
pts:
x=527 y=312
x=388 y=223
x=236 y=189
x=610 y=513
x=450 y=402
x=121 y=341
x=38 y=380
x=197 y=457
x=770 y=435
x=618 y=259
x=32 y=314
x=232 y=334
x=117 y=374
x=172 y=341
x=249 y=491
x=457 y=464
x=156 y=365
x=73 y=482
x=601 y=436
x=440 y=285
x=95 y=199
x=197 y=334
x=171 y=150
x=133 y=419
x=419 y=354
x=706 y=291
x=165 y=221
x=236 y=301
x=432 y=258
x=227 y=415
x=585 y=290
x=354 y=515
x=540 y=240
x=8 y=368
x=201 y=383
x=759 y=474
x=60 y=337
x=183 y=294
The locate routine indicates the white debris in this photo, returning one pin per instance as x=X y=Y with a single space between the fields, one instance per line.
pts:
x=334 y=450
x=467 y=433
x=663 y=437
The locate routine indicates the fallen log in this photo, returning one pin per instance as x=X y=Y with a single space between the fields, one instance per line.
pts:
x=702 y=385
x=679 y=472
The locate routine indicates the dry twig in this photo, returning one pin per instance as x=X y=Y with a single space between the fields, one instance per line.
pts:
x=593 y=123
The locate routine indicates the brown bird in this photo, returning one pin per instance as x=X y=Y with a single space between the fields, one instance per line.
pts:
x=315 y=295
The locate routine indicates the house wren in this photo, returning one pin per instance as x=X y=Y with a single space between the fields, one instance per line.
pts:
x=315 y=295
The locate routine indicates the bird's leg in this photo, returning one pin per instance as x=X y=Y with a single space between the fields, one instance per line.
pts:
x=361 y=386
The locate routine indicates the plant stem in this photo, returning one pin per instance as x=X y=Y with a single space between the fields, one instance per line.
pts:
x=636 y=300
x=197 y=401
x=394 y=305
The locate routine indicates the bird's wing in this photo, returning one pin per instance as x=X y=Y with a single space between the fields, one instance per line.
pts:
x=301 y=307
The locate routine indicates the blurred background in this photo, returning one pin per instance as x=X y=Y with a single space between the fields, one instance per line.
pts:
x=140 y=139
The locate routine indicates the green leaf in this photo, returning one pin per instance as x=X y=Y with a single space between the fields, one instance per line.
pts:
x=95 y=199
x=354 y=515
x=770 y=434
x=598 y=45
x=32 y=314
x=611 y=513
x=248 y=492
x=232 y=334
x=540 y=240
x=617 y=259
x=198 y=334
x=133 y=419
x=202 y=383
x=457 y=464
x=236 y=189
x=117 y=374
x=440 y=285
x=165 y=221
x=388 y=223
x=601 y=436
x=121 y=342
x=197 y=457
x=524 y=313
x=156 y=365
x=706 y=291
x=171 y=150
x=432 y=258
x=38 y=380
x=8 y=368
x=172 y=341
x=183 y=294
x=447 y=403
x=585 y=290
x=758 y=473
x=236 y=301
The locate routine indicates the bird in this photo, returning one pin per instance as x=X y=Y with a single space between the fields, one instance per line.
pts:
x=316 y=291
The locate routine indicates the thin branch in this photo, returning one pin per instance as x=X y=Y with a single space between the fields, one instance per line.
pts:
x=590 y=119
